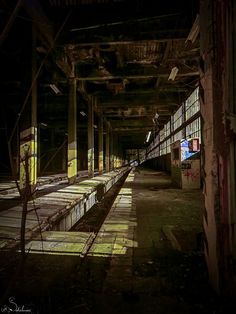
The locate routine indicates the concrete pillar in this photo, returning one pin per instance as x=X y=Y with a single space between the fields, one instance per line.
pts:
x=63 y=161
x=91 y=139
x=72 y=132
x=18 y=149
x=138 y=157
x=111 y=151
x=217 y=133
x=53 y=148
x=120 y=160
x=28 y=137
x=100 y=144
x=28 y=158
x=115 y=150
x=107 y=147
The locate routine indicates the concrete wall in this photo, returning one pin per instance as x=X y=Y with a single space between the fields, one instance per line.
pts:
x=190 y=174
x=162 y=163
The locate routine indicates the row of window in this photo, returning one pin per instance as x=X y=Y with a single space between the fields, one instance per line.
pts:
x=193 y=130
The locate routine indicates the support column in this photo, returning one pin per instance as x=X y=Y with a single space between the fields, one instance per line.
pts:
x=111 y=151
x=90 y=139
x=138 y=157
x=53 y=147
x=72 y=132
x=100 y=144
x=115 y=151
x=63 y=162
x=217 y=131
x=28 y=137
x=119 y=159
x=107 y=147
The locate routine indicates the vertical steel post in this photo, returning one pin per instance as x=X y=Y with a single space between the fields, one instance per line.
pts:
x=72 y=132
x=100 y=144
x=28 y=137
x=107 y=147
x=91 y=138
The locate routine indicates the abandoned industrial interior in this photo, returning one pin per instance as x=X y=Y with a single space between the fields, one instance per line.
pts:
x=118 y=154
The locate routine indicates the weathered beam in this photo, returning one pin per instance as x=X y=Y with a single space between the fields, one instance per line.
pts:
x=133 y=77
x=148 y=91
x=124 y=42
x=114 y=115
x=137 y=103
x=126 y=112
x=132 y=130
x=136 y=122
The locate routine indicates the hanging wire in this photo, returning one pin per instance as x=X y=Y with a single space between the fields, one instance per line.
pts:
x=10 y=22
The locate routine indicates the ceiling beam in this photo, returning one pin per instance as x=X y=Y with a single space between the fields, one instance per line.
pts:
x=131 y=124
x=137 y=103
x=135 y=130
x=133 y=77
x=150 y=91
x=125 y=42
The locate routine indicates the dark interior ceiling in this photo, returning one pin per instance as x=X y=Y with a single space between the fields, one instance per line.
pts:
x=122 y=52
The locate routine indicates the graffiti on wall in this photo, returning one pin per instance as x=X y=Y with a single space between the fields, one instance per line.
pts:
x=190 y=172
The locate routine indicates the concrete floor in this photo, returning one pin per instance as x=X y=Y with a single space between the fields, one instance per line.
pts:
x=167 y=272
x=159 y=269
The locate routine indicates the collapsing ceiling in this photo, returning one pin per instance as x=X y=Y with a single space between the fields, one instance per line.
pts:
x=138 y=63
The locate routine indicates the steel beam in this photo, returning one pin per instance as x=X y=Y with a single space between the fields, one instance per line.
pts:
x=91 y=138
x=107 y=147
x=72 y=132
x=100 y=144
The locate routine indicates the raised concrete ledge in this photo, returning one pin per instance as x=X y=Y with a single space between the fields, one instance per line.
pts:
x=9 y=187
x=58 y=210
x=116 y=236
x=93 y=190
x=61 y=243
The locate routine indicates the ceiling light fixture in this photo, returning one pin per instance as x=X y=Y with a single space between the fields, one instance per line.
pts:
x=173 y=73
x=83 y=113
x=55 y=88
x=148 y=136
x=43 y=124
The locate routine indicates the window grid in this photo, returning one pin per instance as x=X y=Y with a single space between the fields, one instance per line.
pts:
x=193 y=129
x=192 y=104
x=178 y=136
x=178 y=118
x=163 y=149
x=168 y=146
x=167 y=129
x=162 y=135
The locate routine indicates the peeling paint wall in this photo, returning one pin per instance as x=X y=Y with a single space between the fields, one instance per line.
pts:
x=217 y=163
